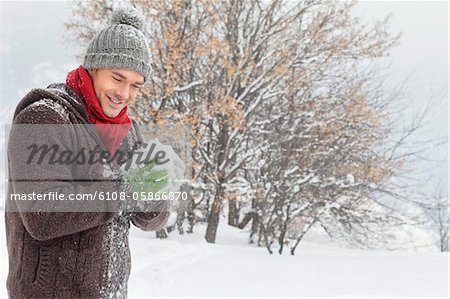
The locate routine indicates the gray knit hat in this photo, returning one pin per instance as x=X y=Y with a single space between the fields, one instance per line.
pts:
x=121 y=45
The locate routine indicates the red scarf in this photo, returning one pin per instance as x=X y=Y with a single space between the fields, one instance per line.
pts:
x=111 y=130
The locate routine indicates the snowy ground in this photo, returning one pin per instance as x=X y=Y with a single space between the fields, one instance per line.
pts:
x=186 y=266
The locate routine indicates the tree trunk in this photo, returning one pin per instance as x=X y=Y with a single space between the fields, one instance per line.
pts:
x=444 y=238
x=303 y=233
x=266 y=239
x=281 y=237
x=190 y=216
x=216 y=206
x=213 y=219
x=255 y=227
x=161 y=234
x=247 y=218
x=233 y=213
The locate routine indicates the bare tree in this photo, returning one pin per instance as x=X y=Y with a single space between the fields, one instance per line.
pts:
x=437 y=210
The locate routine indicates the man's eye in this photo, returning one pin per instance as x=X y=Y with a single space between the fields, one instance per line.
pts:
x=116 y=79
x=136 y=87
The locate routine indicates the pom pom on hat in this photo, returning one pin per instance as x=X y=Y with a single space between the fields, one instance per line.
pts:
x=128 y=16
x=121 y=45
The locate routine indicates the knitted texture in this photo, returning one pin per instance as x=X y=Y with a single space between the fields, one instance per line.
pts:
x=121 y=45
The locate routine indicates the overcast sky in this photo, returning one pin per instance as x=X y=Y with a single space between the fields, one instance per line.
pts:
x=34 y=54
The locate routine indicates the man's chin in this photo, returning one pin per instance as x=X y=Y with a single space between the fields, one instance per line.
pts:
x=112 y=114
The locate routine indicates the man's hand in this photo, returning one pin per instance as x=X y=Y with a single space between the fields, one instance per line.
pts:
x=148 y=179
x=154 y=176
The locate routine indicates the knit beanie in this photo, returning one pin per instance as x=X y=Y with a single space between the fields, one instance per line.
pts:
x=121 y=45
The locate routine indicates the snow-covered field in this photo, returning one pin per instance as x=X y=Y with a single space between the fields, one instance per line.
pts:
x=186 y=266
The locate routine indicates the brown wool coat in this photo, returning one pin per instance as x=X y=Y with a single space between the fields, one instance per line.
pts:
x=67 y=254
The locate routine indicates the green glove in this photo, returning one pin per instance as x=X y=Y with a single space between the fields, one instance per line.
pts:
x=148 y=179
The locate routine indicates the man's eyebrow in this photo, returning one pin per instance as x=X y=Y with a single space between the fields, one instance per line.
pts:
x=125 y=78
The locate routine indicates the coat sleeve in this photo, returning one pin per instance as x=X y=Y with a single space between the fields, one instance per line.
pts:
x=44 y=225
x=155 y=218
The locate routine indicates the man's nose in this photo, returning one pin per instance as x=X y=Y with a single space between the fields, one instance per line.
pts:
x=123 y=92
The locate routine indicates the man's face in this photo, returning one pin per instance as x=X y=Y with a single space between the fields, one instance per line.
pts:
x=115 y=88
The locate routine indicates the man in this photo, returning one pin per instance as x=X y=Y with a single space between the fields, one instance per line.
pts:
x=81 y=254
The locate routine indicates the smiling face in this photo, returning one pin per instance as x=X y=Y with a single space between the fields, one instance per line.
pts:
x=115 y=88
